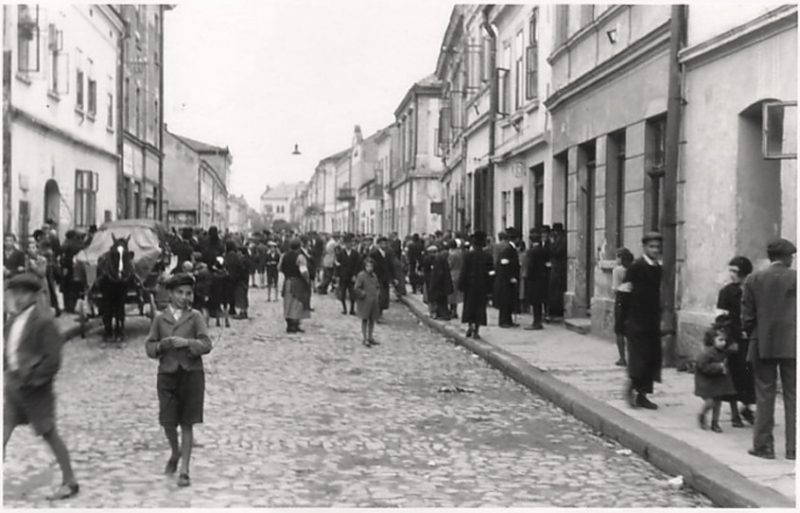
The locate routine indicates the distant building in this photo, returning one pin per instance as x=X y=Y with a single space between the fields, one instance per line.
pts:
x=195 y=188
x=416 y=187
x=276 y=202
x=238 y=215
x=60 y=129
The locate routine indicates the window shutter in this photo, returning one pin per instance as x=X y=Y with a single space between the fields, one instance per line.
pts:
x=532 y=72
x=62 y=71
x=503 y=91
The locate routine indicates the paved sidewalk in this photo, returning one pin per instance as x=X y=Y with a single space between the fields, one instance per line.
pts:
x=668 y=434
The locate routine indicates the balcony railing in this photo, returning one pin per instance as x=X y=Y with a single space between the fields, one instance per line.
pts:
x=345 y=194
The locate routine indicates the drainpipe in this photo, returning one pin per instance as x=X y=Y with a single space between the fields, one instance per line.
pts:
x=677 y=39
x=122 y=208
x=160 y=198
x=488 y=210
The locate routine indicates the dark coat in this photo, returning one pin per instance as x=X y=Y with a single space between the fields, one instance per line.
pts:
x=349 y=266
x=536 y=280
x=14 y=262
x=441 y=283
x=769 y=316
x=711 y=378
x=730 y=300
x=643 y=321
x=192 y=326
x=507 y=269
x=384 y=269
x=39 y=354
x=475 y=282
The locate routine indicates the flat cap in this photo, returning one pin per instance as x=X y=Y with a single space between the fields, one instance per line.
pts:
x=179 y=280
x=781 y=247
x=512 y=232
x=652 y=236
x=24 y=281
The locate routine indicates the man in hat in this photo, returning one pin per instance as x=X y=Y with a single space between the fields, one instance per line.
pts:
x=384 y=270
x=31 y=361
x=536 y=279
x=507 y=280
x=475 y=281
x=643 y=323
x=769 y=318
x=558 y=272
x=271 y=261
x=348 y=265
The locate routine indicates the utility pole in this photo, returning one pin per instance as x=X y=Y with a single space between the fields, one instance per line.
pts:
x=673 y=129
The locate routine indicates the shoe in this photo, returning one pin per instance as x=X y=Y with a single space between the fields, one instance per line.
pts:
x=366 y=343
x=299 y=330
x=766 y=453
x=65 y=491
x=172 y=466
x=374 y=342
x=183 y=480
x=790 y=455
x=344 y=312
x=476 y=335
x=621 y=363
x=506 y=326
x=701 y=419
x=747 y=414
x=628 y=395
x=227 y=323
x=469 y=333
x=644 y=402
x=715 y=427
x=737 y=422
x=530 y=328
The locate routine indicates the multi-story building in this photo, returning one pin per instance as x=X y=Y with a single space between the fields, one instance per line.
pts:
x=322 y=194
x=521 y=142
x=60 y=130
x=416 y=187
x=276 y=202
x=298 y=205
x=141 y=179
x=608 y=105
x=733 y=196
x=385 y=162
x=194 y=188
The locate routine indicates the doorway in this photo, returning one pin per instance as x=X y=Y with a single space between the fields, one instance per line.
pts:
x=537 y=200
x=518 y=207
x=24 y=220
x=586 y=193
x=52 y=202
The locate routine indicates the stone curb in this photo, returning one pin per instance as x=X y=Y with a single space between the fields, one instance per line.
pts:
x=725 y=487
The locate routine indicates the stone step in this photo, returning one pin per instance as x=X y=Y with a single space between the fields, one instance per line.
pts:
x=580 y=325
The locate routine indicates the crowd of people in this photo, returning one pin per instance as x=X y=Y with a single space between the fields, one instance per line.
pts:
x=750 y=344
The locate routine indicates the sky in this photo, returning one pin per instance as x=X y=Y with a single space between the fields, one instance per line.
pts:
x=262 y=76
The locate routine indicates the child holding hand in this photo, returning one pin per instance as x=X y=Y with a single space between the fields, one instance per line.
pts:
x=712 y=380
x=178 y=338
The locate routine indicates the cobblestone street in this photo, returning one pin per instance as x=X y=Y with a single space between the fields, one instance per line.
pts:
x=319 y=420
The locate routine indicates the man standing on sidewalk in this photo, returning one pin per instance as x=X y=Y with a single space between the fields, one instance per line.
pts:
x=643 y=323
x=536 y=280
x=769 y=319
x=506 y=295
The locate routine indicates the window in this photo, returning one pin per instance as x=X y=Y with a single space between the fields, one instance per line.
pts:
x=127 y=103
x=562 y=24
x=506 y=207
x=538 y=195
x=532 y=60
x=110 y=110
x=519 y=73
x=656 y=159
x=79 y=89
x=86 y=186
x=92 y=91
x=156 y=123
x=28 y=38
x=437 y=144
x=503 y=83
x=485 y=52
x=474 y=65
x=138 y=112
x=137 y=198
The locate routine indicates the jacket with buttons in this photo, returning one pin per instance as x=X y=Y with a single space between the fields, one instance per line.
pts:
x=191 y=326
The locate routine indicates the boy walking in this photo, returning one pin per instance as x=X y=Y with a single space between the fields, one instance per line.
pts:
x=368 y=290
x=178 y=338
x=31 y=361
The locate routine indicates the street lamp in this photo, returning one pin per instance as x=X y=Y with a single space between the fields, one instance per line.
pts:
x=296 y=150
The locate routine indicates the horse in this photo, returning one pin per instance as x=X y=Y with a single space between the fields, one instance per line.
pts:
x=115 y=274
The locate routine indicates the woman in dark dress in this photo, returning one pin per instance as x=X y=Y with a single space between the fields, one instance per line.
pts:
x=729 y=302
x=475 y=281
x=440 y=285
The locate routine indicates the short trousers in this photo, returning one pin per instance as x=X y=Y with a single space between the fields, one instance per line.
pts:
x=34 y=406
x=180 y=397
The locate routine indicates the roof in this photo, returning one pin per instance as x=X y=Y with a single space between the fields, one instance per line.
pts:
x=429 y=84
x=282 y=191
x=336 y=156
x=199 y=146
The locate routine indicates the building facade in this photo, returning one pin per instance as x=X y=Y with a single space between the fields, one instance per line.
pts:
x=61 y=123
x=238 y=215
x=732 y=200
x=194 y=188
x=417 y=185
x=276 y=202
x=141 y=180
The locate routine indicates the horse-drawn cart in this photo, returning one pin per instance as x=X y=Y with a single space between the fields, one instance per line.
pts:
x=122 y=266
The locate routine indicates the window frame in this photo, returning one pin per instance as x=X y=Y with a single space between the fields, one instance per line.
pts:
x=32 y=44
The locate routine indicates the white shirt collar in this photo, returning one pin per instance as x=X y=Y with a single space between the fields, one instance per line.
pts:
x=512 y=244
x=650 y=261
x=177 y=313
